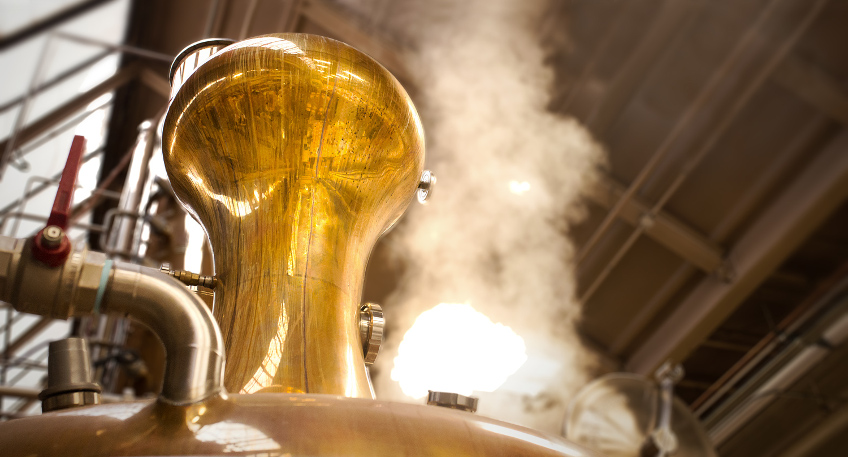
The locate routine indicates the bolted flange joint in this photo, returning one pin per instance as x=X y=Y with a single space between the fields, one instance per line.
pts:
x=371 y=323
x=425 y=186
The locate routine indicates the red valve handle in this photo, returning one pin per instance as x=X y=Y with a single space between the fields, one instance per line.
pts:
x=50 y=245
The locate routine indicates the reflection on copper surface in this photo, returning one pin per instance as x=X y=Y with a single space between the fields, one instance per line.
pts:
x=265 y=374
x=295 y=152
x=120 y=411
x=237 y=437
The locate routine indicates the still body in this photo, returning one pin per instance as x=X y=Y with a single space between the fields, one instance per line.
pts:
x=274 y=425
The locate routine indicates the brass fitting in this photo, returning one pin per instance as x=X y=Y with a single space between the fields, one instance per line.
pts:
x=190 y=279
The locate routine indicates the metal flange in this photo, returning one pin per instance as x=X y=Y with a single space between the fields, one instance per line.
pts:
x=452 y=400
x=371 y=323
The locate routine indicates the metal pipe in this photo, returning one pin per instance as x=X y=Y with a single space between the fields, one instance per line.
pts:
x=44 y=185
x=770 y=342
x=726 y=121
x=800 y=356
x=40 y=69
x=803 y=205
x=248 y=19
x=210 y=18
x=31 y=146
x=57 y=79
x=832 y=426
x=146 y=53
x=47 y=122
x=29 y=193
x=20 y=392
x=193 y=343
x=17 y=216
x=89 y=203
x=743 y=207
x=707 y=93
x=121 y=236
x=88 y=283
x=62 y=15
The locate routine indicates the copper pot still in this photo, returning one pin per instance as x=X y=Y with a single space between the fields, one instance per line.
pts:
x=295 y=152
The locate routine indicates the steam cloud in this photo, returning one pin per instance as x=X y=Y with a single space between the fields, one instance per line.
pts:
x=510 y=179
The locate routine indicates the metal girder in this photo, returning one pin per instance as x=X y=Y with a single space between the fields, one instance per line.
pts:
x=292 y=16
x=340 y=26
x=45 y=183
x=156 y=82
x=663 y=228
x=43 y=218
x=793 y=216
x=20 y=392
x=49 y=22
x=56 y=80
x=832 y=426
x=24 y=338
x=741 y=56
x=814 y=86
x=671 y=19
x=45 y=123
x=768 y=178
x=133 y=50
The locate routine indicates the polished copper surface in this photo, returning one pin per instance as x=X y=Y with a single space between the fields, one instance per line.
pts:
x=295 y=152
x=274 y=425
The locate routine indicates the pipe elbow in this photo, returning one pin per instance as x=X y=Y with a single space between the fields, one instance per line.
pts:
x=193 y=344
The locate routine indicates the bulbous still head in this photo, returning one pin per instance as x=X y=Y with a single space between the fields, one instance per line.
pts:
x=295 y=152
x=292 y=107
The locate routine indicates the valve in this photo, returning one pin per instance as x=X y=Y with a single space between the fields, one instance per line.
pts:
x=51 y=245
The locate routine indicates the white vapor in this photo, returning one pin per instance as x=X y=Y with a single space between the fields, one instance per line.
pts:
x=510 y=179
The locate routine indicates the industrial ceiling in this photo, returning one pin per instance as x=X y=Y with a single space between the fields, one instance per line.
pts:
x=717 y=235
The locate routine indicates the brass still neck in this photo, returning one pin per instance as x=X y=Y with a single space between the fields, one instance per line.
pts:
x=290 y=294
x=295 y=152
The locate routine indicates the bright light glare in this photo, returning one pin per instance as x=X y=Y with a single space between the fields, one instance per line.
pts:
x=454 y=348
x=87 y=179
x=519 y=188
x=194 y=250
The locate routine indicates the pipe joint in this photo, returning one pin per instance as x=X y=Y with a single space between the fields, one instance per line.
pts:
x=90 y=283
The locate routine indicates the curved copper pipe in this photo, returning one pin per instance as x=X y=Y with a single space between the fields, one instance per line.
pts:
x=88 y=283
x=194 y=348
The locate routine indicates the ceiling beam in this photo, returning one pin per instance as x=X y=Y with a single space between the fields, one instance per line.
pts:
x=663 y=228
x=31 y=332
x=834 y=425
x=56 y=80
x=783 y=226
x=814 y=86
x=49 y=22
x=48 y=121
x=672 y=18
x=747 y=55
x=342 y=28
x=291 y=17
